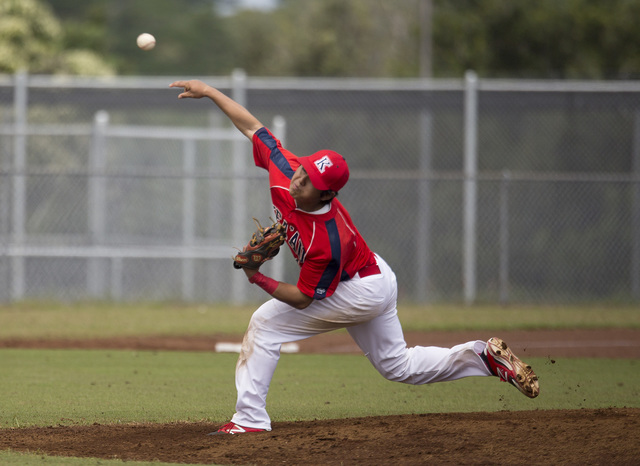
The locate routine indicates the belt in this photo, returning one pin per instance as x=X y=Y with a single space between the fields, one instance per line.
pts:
x=368 y=270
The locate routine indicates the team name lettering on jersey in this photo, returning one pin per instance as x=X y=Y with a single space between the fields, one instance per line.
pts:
x=278 y=214
x=293 y=238
x=297 y=247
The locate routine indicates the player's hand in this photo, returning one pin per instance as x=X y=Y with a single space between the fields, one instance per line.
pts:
x=193 y=89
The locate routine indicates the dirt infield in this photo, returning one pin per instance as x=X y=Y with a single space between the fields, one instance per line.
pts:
x=530 y=437
x=603 y=436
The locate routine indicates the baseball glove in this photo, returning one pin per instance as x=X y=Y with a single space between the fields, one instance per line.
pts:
x=264 y=245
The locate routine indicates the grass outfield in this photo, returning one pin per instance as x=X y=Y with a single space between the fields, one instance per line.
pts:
x=87 y=320
x=71 y=387
x=8 y=458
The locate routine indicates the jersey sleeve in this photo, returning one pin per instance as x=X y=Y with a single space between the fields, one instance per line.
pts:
x=281 y=164
x=261 y=150
x=268 y=150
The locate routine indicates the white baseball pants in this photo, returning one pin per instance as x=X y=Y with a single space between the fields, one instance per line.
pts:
x=367 y=308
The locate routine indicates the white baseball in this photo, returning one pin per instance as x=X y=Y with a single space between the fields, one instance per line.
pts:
x=146 y=41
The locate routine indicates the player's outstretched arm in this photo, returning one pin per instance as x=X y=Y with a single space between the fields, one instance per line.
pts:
x=239 y=116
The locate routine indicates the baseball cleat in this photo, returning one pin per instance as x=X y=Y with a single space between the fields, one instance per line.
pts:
x=509 y=368
x=233 y=428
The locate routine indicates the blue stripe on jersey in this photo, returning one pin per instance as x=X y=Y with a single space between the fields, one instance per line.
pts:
x=333 y=267
x=276 y=156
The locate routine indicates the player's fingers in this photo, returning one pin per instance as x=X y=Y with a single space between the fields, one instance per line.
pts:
x=185 y=85
x=187 y=92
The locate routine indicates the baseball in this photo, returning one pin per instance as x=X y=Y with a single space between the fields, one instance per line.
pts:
x=146 y=41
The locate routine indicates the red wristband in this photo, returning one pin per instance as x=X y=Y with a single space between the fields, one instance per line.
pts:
x=267 y=284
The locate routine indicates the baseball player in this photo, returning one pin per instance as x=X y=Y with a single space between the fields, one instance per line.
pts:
x=342 y=283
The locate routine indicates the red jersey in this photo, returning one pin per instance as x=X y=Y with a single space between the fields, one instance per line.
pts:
x=326 y=244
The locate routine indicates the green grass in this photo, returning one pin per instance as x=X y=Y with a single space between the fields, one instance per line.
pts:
x=58 y=387
x=65 y=387
x=89 y=320
x=10 y=458
x=86 y=320
x=483 y=317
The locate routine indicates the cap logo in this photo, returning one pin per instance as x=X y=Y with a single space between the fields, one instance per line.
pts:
x=323 y=163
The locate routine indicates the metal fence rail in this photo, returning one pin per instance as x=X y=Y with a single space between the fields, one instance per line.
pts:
x=474 y=190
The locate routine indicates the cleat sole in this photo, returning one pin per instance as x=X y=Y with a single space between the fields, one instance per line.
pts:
x=525 y=379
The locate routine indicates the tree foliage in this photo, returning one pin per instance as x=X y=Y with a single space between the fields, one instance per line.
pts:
x=192 y=38
x=31 y=39
x=546 y=38
x=587 y=39
x=354 y=38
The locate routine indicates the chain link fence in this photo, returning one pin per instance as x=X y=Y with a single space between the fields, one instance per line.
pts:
x=473 y=190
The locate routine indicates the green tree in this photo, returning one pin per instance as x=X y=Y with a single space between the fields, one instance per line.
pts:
x=192 y=38
x=546 y=38
x=329 y=38
x=31 y=39
x=589 y=39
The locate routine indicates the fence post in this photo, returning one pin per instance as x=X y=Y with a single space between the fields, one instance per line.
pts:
x=504 y=237
x=635 y=212
x=116 y=278
x=470 y=185
x=5 y=221
x=96 y=273
x=423 y=240
x=188 y=216
x=215 y=149
x=19 y=182
x=239 y=187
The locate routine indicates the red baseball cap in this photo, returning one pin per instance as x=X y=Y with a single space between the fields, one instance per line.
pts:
x=327 y=170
